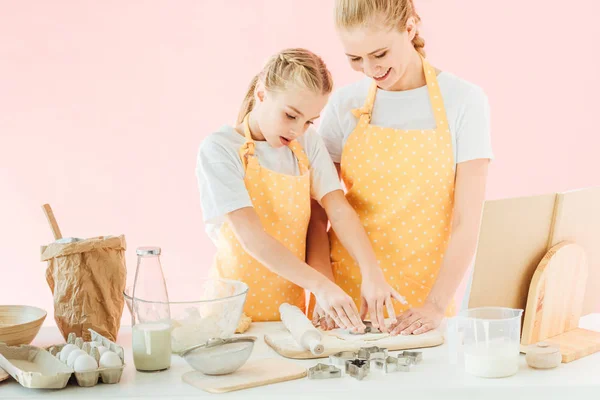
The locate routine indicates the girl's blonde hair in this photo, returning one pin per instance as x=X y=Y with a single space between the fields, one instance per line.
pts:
x=289 y=67
x=353 y=13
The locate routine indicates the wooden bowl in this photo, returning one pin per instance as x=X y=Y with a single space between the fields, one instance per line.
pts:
x=20 y=324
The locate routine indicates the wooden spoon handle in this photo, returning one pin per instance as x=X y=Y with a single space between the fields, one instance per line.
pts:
x=52 y=221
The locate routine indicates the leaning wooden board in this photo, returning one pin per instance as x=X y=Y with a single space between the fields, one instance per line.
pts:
x=515 y=235
x=512 y=240
x=577 y=219
x=284 y=344
x=253 y=374
x=555 y=303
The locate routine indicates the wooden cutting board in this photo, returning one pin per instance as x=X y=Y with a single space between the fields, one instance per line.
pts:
x=577 y=219
x=3 y=375
x=253 y=374
x=515 y=235
x=555 y=303
x=284 y=344
x=512 y=240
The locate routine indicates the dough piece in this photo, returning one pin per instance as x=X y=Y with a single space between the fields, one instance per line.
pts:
x=244 y=324
x=344 y=334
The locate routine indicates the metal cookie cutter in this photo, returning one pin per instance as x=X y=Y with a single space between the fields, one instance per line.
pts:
x=413 y=357
x=339 y=359
x=393 y=364
x=357 y=368
x=324 y=371
x=369 y=328
x=372 y=353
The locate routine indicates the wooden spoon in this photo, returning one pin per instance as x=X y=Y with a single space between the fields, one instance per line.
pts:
x=52 y=221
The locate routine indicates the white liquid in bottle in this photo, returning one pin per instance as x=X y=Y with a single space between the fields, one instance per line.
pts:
x=151 y=344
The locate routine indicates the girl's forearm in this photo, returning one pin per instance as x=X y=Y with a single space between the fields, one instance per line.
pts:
x=317 y=241
x=274 y=255
x=351 y=233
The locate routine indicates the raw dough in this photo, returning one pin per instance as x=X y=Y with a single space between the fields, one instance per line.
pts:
x=344 y=334
x=244 y=324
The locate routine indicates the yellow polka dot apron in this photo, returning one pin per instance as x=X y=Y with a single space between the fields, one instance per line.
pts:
x=401 y=184
x=282 y=203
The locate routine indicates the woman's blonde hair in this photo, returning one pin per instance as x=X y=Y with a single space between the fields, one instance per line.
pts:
x=287 y=68
x=353 y=13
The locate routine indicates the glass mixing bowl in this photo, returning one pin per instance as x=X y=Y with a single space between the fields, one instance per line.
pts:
x=206 y=309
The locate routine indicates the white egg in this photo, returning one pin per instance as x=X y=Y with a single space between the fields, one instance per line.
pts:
x=85 y=363
x=110 y=360
x=74 y=355
x=66 y=350
x=101 y=350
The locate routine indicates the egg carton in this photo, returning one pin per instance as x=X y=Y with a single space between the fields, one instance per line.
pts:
x=91 y=378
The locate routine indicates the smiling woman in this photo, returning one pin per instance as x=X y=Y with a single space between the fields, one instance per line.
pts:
x=412 y=145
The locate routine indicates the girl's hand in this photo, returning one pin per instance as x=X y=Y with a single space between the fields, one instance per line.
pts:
x=376 y=294
x=322 y=320
x=339 y=306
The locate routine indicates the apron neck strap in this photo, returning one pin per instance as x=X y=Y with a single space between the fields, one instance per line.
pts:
x=247 y=150
x=301 y=156
x=435 y=95
x=364 y=113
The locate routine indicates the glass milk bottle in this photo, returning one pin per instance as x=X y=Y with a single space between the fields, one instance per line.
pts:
x=151 y=331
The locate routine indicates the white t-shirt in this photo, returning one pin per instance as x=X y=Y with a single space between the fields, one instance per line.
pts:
x=466 y=104
x=220 y=172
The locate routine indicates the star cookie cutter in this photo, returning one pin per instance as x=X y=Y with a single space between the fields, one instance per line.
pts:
x=372 y=353
x=393 y=364
x=339 y=359
x=413 y=357
x=357 y=368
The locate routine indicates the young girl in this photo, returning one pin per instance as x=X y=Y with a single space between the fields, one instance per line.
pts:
x=256 y=182
x=413 y=146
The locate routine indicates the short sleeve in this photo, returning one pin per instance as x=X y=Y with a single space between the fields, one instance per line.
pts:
x=324 y=176
x=473 y=137
x=330 y=130
x=221 y=181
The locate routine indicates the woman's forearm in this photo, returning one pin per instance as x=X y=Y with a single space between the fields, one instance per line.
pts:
x=469 y=196
x=459 y=254
x=317 y=241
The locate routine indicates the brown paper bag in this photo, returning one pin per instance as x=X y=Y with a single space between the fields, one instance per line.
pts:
x=87 y=279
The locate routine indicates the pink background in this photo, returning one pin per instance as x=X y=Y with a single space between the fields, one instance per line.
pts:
x=103 y=106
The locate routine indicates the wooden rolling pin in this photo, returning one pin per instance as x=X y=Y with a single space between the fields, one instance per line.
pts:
x=302 y=330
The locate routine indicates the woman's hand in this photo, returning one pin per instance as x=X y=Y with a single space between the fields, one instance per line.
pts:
x=376 y=294
x=339 y=306
x=418 y=320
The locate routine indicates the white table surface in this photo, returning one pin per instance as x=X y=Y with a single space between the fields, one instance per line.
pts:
x=435 y=377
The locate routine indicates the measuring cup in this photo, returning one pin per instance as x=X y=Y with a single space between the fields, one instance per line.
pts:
x=488 y=339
